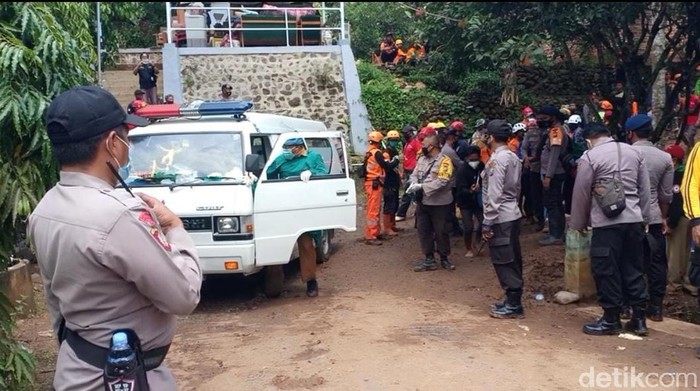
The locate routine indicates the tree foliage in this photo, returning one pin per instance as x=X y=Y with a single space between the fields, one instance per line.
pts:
x=370 y=21
x=17 y=364
x=45 y=48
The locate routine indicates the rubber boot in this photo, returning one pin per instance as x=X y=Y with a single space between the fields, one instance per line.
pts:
x=513 y=308
x=655 y=309
x=626 y=313
x=388 y=230
x=312 y=288
x=608 y=324
x=638 y=323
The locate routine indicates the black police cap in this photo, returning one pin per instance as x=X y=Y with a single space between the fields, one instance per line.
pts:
x=499 y=128
x=84 y=112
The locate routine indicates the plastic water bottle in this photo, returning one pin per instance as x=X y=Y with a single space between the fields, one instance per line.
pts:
x=119 y=373
x=539 y=296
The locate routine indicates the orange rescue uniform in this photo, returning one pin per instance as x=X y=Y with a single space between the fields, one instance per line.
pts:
x=374 y=196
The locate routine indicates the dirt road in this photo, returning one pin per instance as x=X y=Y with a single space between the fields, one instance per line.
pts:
x=377 y=325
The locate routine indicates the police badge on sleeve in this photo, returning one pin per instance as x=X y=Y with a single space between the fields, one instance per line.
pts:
x=154 y=229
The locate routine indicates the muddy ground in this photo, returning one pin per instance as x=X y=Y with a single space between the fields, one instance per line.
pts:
x=377 y=325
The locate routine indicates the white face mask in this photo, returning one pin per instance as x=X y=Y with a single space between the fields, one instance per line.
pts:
x=474 y=165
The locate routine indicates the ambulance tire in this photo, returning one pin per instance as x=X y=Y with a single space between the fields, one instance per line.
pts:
x=273 y=281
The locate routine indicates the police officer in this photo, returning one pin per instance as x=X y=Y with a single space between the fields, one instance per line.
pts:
x=297 y=160
x=431 y=182
x=660 y=167
x=108 y=260
x=501 y=227
x=449 y=149
x=617 y=242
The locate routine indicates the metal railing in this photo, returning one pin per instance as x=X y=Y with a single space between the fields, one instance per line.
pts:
x=230 y=15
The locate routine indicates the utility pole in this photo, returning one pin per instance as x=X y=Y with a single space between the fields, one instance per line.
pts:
x=99 y=47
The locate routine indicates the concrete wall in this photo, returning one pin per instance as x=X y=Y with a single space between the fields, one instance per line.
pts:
x=307 y=82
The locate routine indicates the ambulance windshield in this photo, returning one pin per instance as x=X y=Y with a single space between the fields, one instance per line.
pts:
x=167 y=159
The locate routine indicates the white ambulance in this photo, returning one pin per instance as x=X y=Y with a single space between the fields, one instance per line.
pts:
x=208 y=162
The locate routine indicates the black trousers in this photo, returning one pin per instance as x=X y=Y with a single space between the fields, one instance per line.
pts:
x=406 y=199
x=433 y=227
x=536 y=193
x=656 y=264
x=504 y=248
x=617 y=263
x=452 y=217
x=554 y=202
x=525 y=200
x=391 y=199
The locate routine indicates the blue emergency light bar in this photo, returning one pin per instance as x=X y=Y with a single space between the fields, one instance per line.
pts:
x=216 y=108
x=195 y=109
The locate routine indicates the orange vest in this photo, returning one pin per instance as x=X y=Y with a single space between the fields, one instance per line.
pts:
x=513 y=144
x=374 y=170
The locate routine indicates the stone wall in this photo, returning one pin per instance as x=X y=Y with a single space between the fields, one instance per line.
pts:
x=303 y=84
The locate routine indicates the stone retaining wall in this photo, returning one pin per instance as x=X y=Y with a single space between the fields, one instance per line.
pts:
x=303 y=84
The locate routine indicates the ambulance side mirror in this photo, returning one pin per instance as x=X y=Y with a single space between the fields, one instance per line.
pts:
x=254 y=163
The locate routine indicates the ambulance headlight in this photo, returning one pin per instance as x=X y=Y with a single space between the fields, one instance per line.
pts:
x=227 y=225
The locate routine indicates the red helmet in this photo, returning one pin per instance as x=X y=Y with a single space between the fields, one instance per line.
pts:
x=425 y=132
x=458 y=126
x=527 y=111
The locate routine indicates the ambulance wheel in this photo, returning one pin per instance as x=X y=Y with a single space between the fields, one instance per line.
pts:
x=273 y=281
x=323 y=247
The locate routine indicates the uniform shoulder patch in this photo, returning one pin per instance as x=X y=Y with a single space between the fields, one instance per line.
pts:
x=446 y=168
x=154 y=230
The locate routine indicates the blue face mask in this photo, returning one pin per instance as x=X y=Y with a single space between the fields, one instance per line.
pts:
x=287 y=153
x=124 y=171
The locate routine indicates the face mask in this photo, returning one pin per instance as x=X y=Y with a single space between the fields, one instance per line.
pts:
x=124 y=170
x=426 y=151
x=393 y=143
x=474 y=165
x=544 y=124
x=288 y=154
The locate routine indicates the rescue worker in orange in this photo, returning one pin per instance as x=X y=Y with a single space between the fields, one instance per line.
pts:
x=401 y=55
x=375 y=167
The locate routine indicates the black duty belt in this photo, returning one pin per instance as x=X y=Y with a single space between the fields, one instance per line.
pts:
x=97 y=356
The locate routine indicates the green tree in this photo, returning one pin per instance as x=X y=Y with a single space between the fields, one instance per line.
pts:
x=45 y=48
x=130 y=25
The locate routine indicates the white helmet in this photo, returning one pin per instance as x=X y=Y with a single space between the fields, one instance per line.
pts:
x=519 y=127
x=574 y=119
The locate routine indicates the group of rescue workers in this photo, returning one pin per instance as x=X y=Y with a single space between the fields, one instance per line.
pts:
x=555 y=168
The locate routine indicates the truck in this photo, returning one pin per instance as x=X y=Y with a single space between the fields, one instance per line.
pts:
x=207 y=162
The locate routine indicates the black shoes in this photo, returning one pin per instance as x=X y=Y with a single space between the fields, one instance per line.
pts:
x=507 y=311
x=428 y=264
x=638 y=324
x=312 y=288
x=608 y=324
x=447 y=264
x=655 y=311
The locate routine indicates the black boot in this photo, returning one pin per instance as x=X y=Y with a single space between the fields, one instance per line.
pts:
x=608 y=324
x=312 y=288
x=638 y=323
x=428 y=264
x=655 y=310
x=512 y=308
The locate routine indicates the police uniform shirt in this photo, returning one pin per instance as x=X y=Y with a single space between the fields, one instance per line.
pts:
x=106 y=264
x=598 y=163
x=450 y=152
x=437 y=186
x=660 y=167
x=501 y=187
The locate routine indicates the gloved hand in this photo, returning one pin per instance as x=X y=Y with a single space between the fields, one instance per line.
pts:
x=305 y=176
x=414 y=188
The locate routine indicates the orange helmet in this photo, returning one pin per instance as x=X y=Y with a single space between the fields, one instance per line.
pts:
x=375 y=136
x=606 y=105
x=393 y=134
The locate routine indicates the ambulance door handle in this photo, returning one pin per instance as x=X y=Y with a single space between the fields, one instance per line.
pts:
x=342 y=193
